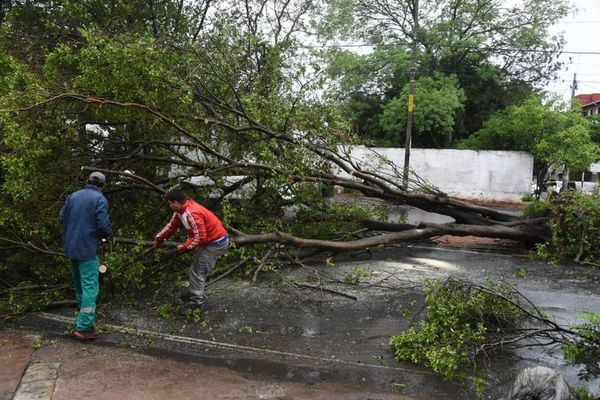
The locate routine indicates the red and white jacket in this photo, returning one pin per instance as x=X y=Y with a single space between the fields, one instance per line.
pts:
x=203 y=227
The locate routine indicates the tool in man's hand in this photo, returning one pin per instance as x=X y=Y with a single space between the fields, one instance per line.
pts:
x=102 y=268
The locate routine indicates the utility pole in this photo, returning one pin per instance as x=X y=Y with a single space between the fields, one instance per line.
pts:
x=411 y=96
x=565 y=179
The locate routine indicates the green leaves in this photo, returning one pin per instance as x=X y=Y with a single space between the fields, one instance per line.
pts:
x=554 y=134
x=586 y=350
x=571 y=148
x=438 y=100
x=575 y=226
x=459 y=319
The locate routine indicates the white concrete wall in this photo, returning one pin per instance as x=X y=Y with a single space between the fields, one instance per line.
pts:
x=467 y=174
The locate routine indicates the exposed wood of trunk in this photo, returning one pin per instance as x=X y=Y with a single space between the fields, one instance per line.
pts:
x=387 y=226
x=461 y=211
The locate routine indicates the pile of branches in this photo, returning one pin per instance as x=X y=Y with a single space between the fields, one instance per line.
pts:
x=465 y=323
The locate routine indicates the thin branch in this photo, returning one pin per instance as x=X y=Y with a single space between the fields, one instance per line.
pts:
x=31 y=247
x=158 y=189
x=324 y=289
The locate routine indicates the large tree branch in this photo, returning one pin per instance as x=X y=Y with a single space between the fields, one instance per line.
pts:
x=374 y=184
x=529 y=234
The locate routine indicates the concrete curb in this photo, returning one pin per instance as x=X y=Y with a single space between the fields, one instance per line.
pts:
x=38 y=382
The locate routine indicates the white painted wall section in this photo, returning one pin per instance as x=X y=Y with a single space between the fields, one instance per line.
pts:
x=467 y=174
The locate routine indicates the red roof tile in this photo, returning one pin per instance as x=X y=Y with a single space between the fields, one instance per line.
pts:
x=585 y=99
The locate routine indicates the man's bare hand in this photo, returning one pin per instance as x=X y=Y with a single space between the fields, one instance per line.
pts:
x=180 y=248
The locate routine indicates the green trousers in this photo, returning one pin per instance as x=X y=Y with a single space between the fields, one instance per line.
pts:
x=85 y=275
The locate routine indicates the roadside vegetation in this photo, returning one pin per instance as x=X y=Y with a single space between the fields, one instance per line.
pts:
x=465 y=324
x=574 y=222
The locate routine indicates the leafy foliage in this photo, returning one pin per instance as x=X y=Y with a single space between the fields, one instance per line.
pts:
x=464 y=320
x=440 y=101
x=586 y=350
x=583 y=393
x=536 y=208
x=457 y=323
x=557 y=136
x=165 y=92
x=497 y=54
x=575 y=227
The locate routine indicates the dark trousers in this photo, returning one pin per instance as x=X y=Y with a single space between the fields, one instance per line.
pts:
x=205 y=259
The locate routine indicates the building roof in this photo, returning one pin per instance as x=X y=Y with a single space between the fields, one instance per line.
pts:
x=587 y=99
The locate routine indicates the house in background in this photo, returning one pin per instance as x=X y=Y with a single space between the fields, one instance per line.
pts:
x=590 y=103
x=589 y=178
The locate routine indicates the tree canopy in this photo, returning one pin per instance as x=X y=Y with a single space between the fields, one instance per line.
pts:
x=499 y=52
x=557 y=135
x=440 y=102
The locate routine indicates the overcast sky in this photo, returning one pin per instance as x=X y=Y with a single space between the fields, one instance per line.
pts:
x=581 y=30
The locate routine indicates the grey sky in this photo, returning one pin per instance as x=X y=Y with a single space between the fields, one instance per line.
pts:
x=581 y=32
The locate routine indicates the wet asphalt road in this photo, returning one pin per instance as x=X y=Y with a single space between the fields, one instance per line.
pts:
x=277 y=329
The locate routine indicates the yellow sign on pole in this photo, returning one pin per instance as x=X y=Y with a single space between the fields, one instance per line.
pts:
x=411 y=102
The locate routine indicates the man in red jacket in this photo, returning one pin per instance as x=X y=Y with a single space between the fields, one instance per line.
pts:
x=205 y=232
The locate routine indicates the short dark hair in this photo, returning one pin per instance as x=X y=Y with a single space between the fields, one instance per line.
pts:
x=176 y=195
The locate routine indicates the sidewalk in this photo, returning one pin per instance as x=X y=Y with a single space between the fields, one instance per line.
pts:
x=67 y=369
x=15 y=352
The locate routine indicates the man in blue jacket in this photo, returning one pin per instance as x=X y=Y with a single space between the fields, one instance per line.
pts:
x=85 y=220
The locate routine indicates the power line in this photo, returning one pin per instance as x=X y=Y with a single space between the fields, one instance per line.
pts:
x=576 y=22
x=578 y=73
x=575 y=63
x=503 y=49
x=581 y=52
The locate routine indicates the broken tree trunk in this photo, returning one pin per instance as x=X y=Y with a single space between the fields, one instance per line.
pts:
x=525 y=233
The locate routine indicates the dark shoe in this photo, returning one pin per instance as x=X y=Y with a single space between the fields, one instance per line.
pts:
x=90 y=334
x=190 y=309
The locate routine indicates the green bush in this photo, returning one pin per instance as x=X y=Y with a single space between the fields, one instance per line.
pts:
x=575 y=226
x=460 y=317
x=583 y=393
x=536 y=208
x=586 y=349
x=527 y=197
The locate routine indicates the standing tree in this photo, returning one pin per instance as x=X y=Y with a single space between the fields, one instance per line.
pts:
x=497 y=50
x=555 y=135
x=440 y=102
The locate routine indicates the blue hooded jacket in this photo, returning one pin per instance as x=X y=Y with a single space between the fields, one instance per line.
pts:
x=85 y=220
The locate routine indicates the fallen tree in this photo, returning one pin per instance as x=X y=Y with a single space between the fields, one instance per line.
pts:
x=231 y=105
x=231 y=121
x=526 y=233
x=470 y=219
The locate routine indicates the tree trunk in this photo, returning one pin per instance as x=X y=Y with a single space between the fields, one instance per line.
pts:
x=526 y=233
